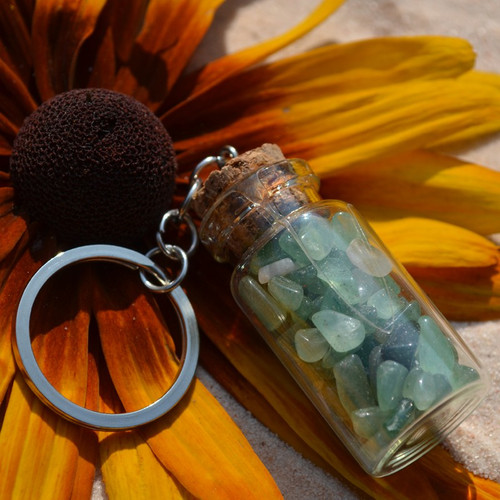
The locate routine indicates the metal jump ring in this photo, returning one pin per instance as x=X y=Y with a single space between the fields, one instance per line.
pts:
x=175 y=214
x=171 y=251
x=54 y=399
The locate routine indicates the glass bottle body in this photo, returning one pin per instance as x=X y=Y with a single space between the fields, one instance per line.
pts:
x=370 y=350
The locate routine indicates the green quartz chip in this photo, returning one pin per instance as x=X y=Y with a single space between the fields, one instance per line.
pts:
x=316 y=237
x=386 y=303
x=353 y=387
x=267 y=310
x=310 y=345
x=368 y=258
x=286 y=291
x=344 y=228
x=435 y=352
x=421 y=388
x=390 y=380
x=368 y=421
x=344 y=333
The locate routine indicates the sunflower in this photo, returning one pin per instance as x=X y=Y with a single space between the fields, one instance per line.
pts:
x=379 y=110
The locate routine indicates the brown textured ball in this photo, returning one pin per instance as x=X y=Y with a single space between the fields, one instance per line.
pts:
x=95 y=166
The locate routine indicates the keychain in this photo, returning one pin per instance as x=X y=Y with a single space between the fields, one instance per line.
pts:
x=147 y=269
x=381 y=364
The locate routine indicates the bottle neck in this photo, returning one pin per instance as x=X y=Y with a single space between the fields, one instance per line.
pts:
x=248 y=208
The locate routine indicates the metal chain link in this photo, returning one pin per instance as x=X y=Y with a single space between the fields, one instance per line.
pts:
x=178 y=217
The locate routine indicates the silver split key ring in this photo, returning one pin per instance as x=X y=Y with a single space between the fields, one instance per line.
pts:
x=54 y=399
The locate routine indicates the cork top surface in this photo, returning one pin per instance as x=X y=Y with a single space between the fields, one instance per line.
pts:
x=233 y=171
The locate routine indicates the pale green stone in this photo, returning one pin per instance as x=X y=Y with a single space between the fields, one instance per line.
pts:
x=316 y=237
x=463 y=375
x=345 y=229
x=353 y=387
x=275 y=268
x=270 y=252
x=331 y=358
x=390 y=380
x=442 y=385
x=286 y=291
x=306 y=309
x=404 y=414
x=335 y=270
x=342 y=332
x=368 y=258
x=265 y=308
x=412 y=310
x=435 y=352
x=365 y=285
x=374 y=360
x=420 y=387
x=310 y=345
x=386 y=304
x=368 y=421
x=288 y=243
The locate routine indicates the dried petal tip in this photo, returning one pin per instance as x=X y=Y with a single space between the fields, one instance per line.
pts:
x=95 y=166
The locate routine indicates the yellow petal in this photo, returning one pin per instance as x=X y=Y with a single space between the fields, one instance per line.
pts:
x=221 y=69
x=422 y=242
x=465 y=137
x=130 y=470
x=339 y=131
x=423 y=184
x=409 y=117
x=40 y=451
x=197 y=441
x=325 y=71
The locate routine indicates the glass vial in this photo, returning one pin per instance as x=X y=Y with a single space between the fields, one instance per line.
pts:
x=374 y=355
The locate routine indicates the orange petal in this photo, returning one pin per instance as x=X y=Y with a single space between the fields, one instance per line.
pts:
x=15 y=100
x=169 y=35
x=15 y=43
x=217 y=71
x=12 y=227
x=423 y=184
x=47 y=462
x=103 y=62
x=16 y=270
x=56 y=51
x=462 y=294
x=197 y=441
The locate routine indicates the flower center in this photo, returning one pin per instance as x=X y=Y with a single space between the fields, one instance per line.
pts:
x=94 y=166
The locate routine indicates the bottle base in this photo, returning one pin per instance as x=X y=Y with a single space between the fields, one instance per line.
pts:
x=429 y=430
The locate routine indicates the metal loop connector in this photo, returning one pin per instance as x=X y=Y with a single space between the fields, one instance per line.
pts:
x=166 y=285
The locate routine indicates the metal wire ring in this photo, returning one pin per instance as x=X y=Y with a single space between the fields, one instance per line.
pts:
x=177 y=218
x=166 y=285
x=39 y=384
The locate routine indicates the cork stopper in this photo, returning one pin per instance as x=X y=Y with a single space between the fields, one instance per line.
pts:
x=232 y=172
x=246 y=197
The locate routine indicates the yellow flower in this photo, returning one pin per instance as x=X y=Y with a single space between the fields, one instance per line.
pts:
x=369 y=116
